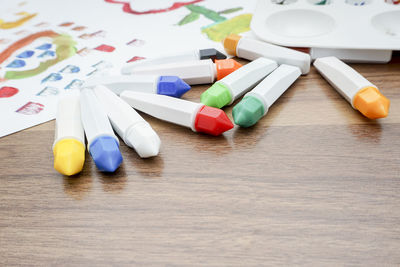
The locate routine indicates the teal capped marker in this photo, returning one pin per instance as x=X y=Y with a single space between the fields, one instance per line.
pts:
x=255 y=104
x=231 y=87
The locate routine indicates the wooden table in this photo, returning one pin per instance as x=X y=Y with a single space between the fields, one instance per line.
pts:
x=313 y=183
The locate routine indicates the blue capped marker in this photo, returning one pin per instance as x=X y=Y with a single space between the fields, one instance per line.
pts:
x=154 y=84
x=103 y=145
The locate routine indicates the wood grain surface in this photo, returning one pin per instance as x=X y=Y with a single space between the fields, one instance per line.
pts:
x=313 y=183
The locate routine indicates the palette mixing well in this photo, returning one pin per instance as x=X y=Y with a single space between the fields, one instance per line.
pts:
x=340 y=24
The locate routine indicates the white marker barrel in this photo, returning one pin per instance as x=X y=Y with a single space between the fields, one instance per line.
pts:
x=94 y=118
x=175 y=110
x=192 y=72
x=68 y=118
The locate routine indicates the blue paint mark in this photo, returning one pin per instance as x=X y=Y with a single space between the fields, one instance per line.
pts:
x=70 y=69
x=18 y=63
x=75 y=84
x=26 y=54
x=45 y=46
x=47 y=53
x=48 y=90
x=52 y=78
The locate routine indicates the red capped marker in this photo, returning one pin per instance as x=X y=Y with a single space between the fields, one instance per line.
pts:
x=197 y=116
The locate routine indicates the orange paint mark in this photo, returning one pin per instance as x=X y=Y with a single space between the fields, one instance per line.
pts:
x=17 y=23
x=24 y=42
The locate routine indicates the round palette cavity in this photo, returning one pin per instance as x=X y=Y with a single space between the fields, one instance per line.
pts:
x=339 y=24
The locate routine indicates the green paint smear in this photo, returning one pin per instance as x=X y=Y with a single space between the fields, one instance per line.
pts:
x=218 y=31
x=65 y=48
x=208 y=13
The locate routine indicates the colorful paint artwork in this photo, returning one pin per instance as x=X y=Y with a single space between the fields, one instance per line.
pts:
x=30 y=108
x=126 y=7
x=44 y=46
x=64 y=48
x=25 y=16
x=84 y=51
x=221 y=26
x=8 y=91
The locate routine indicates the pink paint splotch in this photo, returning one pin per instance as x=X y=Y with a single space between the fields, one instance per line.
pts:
x=30 y=108
x=8 y=91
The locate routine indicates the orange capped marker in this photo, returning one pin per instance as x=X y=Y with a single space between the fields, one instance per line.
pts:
x=362 y=95
x=192 y=72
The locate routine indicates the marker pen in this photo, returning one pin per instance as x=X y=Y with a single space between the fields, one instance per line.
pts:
x=358 y=91
x=128 y=124
x=197 y=54
x=69 y=144
x=155 y=84
x=103 y=145
x=227 y=90
x=251 y=49
x=255 y=104
x=196 y=116
x=192 y=72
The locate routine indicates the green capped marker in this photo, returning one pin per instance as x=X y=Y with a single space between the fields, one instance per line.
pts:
x=255 y=104
x=231 y=87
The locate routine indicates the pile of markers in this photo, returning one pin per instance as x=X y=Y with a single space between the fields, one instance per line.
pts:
x=107 y=104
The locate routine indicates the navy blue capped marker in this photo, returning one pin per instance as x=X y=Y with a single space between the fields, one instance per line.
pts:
x=103 y=145
x=153 y=84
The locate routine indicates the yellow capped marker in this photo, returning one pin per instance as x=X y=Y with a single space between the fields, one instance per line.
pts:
x=362 y=95
x=69 y=144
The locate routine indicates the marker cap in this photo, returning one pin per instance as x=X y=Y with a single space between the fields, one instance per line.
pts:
x=226 y=67
x=143 y=138
x=230 y=43
x=105 y=153
x=212 y=121
x=371 y=103
x=172 y=86
x=69 y=156
x=218 y=95
x=211 y=53
x=248 y=111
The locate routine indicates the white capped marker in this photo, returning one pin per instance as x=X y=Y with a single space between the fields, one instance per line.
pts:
x=192 y=72
x=196 y=54
x=255 y=104
x=251 y=49
x=358 y=91
x=69 y=143
x=103 y=145
x=128 y=124
x=227 y=90
x=196 y=116
x=153 y=84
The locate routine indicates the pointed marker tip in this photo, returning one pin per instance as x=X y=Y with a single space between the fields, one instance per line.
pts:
x=105 y=153
x=216 y=96
x=211 y=53
x=212 y=121
x=143 y=139
x=371 y=103
x=172 y=86
x=69 y=157
x=248 y=111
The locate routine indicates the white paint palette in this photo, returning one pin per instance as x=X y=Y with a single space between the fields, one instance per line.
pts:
x=337 y=24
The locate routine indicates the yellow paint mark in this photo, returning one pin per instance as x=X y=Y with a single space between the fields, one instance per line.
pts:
x=218 y=31
x=13 y=24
